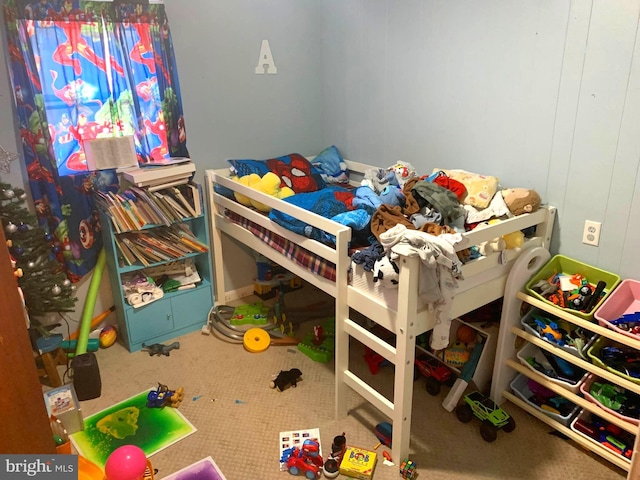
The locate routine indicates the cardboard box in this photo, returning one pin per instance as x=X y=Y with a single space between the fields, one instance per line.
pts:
x=62 y=403
x=358 y=463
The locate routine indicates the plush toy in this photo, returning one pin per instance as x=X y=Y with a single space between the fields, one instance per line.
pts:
x=403 y=171
x=392 y=195
x=378 y=178
x=270 y=184
x=497 y=244
x=386 y=271
x=521 y=200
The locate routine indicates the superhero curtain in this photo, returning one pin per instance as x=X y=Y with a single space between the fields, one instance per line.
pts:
x=82 y=70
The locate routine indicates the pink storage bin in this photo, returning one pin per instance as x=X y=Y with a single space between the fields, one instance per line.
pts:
x=624 y=299
x=585 y=388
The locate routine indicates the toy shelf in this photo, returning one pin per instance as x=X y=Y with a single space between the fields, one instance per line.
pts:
x=507 y=365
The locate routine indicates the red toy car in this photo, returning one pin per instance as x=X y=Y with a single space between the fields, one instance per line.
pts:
x=305 y=460
x=435 y=372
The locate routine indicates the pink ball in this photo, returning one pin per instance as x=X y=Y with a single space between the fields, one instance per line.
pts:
x=126 y=463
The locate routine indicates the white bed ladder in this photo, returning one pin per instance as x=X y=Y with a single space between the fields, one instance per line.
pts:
x=402 y=356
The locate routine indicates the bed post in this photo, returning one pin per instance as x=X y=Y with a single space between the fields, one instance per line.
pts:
x=406 y=329
x=342 y=313
x=216 y=241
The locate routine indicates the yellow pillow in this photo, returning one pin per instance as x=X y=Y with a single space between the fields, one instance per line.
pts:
x=480 y=188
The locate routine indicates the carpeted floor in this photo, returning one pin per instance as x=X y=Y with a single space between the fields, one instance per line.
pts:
x=238 y=417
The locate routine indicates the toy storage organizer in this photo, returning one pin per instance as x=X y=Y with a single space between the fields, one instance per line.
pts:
x=509 y=364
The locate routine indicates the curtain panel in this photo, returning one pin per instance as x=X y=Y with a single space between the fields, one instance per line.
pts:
x=82 y=70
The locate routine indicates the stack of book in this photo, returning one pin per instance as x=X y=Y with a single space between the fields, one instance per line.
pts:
x=160 y=244
x=136 y=207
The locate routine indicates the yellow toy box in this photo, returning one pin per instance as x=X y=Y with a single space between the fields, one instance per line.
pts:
x=358 y=463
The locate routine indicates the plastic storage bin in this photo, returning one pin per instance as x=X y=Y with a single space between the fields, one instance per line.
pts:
x=594 y=354
x=625 y=299
x=532 y=351
x=585 y=388
x=520 y=386
x=575 y=332
x=594 y=429
x=561 y=264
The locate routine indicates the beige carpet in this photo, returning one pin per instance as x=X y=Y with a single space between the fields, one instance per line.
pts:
x=238 y=416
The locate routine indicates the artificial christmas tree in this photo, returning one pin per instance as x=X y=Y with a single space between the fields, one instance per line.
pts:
x=43 y=281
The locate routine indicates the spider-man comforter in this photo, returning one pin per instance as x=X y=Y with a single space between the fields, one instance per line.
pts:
x=352 y=208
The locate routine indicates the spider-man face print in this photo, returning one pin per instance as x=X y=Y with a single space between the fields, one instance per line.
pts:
x=296 y=172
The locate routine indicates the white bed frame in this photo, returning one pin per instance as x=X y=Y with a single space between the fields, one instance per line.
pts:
x=484 y=281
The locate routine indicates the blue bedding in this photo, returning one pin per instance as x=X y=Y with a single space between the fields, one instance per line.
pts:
x=349 y=207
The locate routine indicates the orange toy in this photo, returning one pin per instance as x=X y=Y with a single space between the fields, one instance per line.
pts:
x=466 y=334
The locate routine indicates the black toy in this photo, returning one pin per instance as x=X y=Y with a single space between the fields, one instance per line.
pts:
x=285 y=379
x=160 y=349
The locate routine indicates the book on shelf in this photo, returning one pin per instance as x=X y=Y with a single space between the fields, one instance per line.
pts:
x=177 y=194
x=134 y=249
x=150 y=201
x=126 y=254
x=191 y=193
x=178 y=209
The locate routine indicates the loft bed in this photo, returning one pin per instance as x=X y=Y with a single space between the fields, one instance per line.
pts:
x=484 y=281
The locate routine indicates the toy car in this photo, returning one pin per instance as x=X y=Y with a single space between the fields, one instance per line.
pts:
x=435 y=374
x=493 y=417
x=305 y=460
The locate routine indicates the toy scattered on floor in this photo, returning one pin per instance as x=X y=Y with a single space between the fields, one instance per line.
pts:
x=384 y=433
x=493 y=417
x=108 y=336
x=358 y=463
x=286 y=379
x=160 y=349
x=331 y=467
x=250 y=313
x=408 y=469
x=435 y=374
x=320 y=345
x=163 y=397
x=127 y=462
x=305 y=460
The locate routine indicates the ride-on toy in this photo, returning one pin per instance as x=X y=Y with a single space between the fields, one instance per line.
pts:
x=493 y=417
x=305 y=460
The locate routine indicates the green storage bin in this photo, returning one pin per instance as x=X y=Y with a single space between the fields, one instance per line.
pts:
x=594 y=355
x=565 y=265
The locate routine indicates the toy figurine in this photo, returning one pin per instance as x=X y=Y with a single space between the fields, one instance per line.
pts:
x=160 y=349
x=163 y=397
x=285 y=379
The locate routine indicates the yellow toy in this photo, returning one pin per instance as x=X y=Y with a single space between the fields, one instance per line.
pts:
x=270 y=184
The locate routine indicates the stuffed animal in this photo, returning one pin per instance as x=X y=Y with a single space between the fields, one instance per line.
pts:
x=270 y=184
x=378 y=178
x=497 y=244
x=386 y=271
x=521 y=200
x=392 y=195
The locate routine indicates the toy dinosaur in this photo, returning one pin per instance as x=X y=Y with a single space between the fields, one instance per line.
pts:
x=160 y=349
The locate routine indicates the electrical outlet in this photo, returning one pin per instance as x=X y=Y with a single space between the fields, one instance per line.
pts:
x=591 y=233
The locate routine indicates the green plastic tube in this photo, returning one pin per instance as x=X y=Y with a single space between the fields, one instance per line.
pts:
x=90 y=303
